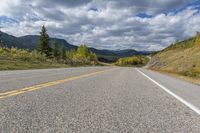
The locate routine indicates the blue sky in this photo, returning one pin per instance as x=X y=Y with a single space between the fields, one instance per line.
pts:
x=105 y=24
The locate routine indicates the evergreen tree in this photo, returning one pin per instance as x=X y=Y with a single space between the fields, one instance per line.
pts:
x=70 y=55
x=1 y=43
x=55 y=50
x=43 y=47
x=63 y=52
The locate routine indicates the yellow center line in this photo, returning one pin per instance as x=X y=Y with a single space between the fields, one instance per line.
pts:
x=43 y=85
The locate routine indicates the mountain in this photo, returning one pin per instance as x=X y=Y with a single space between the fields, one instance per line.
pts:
x=31 y=41
x=10 y=40
x=122 y=53
x=181 y=58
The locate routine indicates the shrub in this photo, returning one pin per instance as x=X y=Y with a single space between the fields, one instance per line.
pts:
x=82 y=56
x=132 y=61
x=25 y=55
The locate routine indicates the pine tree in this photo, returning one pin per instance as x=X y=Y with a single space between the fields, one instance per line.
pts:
x=1 y=43
x=55 y=50
x=43 y=47
x=70 y=55
x=63 y=52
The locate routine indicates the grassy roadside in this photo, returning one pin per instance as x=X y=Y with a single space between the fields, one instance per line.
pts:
x=181 y=59
x=17 y=64
x=194 y=80
x=18 y=59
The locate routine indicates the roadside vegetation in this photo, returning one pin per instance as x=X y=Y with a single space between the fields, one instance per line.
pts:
x=181 y=58
x=45 y=56
x=108 y=58
x=132 y=61
x=13 y=58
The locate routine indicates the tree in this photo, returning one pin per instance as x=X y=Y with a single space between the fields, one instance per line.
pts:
x=197 y=39
x=63 y=52
x=93 y=57
x=83 y=51
x=55 y=50
x=43 y=47
x=82 y=54
x=1 y=43
x=70 y=55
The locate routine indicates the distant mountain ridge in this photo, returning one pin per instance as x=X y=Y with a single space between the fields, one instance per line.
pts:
x=31 y=41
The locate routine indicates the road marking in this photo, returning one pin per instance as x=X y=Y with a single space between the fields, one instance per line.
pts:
x=191 y=106
x=43 y=85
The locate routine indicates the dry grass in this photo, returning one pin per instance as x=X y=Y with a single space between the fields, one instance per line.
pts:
x=17 y=64
x=13 y=59
x=183 y=60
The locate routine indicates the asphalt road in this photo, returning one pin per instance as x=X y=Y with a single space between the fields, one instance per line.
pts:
x=95 y=99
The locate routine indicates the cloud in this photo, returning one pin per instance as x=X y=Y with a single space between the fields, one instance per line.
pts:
x=105 y=24
x=66 y=3
x=150 y=7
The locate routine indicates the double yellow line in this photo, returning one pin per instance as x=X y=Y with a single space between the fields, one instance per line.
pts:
x=43 y=85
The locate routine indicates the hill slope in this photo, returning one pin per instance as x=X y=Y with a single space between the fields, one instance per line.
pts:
x=182 y=58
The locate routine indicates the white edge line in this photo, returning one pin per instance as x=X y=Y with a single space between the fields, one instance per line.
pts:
x=191 y=106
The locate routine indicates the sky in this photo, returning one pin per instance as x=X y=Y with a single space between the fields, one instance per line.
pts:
x=104 y=24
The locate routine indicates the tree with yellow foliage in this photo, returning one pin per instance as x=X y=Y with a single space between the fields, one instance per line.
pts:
x=84 y=56
x=197 y=39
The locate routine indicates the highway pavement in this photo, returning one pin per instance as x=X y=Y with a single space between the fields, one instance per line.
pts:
x=95 y=100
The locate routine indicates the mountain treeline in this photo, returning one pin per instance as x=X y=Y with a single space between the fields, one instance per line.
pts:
x=46 y=53
x=30 y=42
x=80 y=56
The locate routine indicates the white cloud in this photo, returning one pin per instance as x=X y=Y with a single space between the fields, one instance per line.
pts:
x=105 y=23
